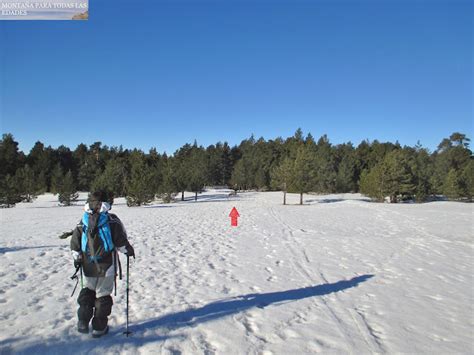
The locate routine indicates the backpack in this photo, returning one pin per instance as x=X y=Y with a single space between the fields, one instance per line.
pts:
x=96 y=240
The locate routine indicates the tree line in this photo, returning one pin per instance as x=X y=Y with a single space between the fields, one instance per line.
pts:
x=297 y=164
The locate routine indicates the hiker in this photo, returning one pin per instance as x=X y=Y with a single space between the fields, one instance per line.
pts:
x=94 y=245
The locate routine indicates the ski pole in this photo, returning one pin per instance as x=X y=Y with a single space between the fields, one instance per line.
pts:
x=127 y=332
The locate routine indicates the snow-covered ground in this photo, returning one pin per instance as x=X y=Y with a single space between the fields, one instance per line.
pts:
x=338 y=275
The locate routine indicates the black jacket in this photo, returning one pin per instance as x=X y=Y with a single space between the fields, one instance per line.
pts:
x=119 y=238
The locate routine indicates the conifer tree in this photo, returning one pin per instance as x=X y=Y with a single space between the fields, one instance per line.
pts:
x=167 y=188
x=113 y=178
x=453 y=185
x=9 y=194
x=468 y=180
x=240 y=176
x=67 y=192
x=156 y=163
x=27 y=184
x=226 y=163
x=345 y=175
x=452 y=153
x=180 y=168
x=41 y=183
x=400 y=179
x=372 y=183
x=392 y=177
x=422 y=171
x=10 y=158
x=40 y=160
x=324 y=166
x=304 y=172
x=139 y=187
x=90 y=165
x=196 y=165
x=282 y=176
x=57 y=177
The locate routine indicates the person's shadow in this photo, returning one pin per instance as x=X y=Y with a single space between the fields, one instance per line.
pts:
x=241 y=303
x=189 y=317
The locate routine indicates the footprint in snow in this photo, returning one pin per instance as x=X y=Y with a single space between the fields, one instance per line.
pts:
x=272 y=279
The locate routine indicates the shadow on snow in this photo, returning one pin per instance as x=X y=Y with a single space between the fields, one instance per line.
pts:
x=237 y=304
x=9 y=250
x=170 y=322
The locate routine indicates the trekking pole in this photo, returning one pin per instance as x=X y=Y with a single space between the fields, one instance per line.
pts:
x=82 y=281
x=127 y=332
x=74 y=277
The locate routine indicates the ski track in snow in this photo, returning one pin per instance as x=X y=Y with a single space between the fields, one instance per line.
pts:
x=338 y=275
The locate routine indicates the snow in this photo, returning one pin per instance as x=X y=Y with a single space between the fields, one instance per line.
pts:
x=337 y=275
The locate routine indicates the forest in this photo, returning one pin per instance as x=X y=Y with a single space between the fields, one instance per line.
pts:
x=298 y=164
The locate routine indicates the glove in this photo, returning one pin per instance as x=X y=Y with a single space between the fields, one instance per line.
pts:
x=77 y=263
x=77 y=258
x=130 y=251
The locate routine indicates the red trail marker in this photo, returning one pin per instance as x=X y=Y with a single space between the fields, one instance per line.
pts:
x=233 y=217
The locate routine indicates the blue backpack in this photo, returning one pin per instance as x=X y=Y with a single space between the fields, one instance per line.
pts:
x=96 y=240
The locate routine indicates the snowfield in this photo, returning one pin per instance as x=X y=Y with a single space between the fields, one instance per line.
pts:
x=337 y=275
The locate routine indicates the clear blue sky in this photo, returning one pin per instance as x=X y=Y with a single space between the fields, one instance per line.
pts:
x=163 y=73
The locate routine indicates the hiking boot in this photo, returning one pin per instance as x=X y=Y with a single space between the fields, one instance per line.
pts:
x=83 y=327
x=99 y=333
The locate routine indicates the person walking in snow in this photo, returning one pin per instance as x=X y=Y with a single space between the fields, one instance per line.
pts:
x=94 y=245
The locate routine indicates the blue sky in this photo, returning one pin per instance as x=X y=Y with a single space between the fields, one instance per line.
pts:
x=163 y=73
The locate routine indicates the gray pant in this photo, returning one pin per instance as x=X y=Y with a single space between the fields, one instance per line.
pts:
x=103 y=286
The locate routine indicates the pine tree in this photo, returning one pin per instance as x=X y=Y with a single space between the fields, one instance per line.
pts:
x=67 y=192
x=240 y=176
x=400 y=179
x=392 y=177
x=196 y=170
x=157 y=166
x=453 y=185
x=304 y=172
x=346 y=175
x=468 y=180
x=282 y=176
x=113 y=178
x=324 y=166
x=10 y=158
x=372 y=183
x=40 y=160
x=181 y=168
x=168 y=188
x=27 y=184
x=57 y=177
x=452 y=153
x=423 y=171
x=9 y=194
x=227 y=164
x=139 y=187
x=41 y=183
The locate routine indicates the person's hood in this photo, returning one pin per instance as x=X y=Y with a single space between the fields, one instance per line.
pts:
x=104 y=207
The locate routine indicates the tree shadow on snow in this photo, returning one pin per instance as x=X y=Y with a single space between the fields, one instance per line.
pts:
x=210 y=198
x=161 y=206
x=9 y=250
x=80 y=344
x=238 y=304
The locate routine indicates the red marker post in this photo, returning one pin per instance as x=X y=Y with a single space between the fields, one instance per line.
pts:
x=233 y=217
